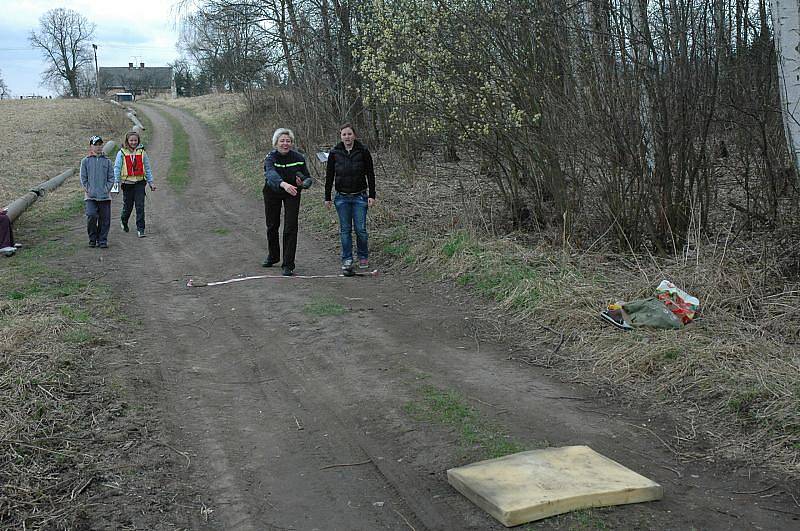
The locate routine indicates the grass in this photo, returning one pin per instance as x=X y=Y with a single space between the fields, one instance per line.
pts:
x=178 y=176
x=45 y=323
x=222 y=231
x=323 y=307
x=475 y=433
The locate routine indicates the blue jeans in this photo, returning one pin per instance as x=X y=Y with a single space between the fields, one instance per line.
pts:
x=352 y=210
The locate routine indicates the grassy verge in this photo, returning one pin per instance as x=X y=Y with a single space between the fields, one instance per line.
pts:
x=51 y=324
x=729 y=380
x=178 y=176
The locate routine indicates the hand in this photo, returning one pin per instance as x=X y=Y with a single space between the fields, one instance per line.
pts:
x=327 y=204
x=298 y=180
x=371 y=201
x=153 y=187
x=291 y=190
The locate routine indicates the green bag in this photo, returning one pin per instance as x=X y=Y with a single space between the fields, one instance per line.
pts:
x=651 y=312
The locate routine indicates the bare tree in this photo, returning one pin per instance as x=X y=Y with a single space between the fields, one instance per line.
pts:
x=4 y=92
x=64 y=37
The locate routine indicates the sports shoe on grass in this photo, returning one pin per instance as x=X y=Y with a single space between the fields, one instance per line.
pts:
x=616 y=318
x=363 y=263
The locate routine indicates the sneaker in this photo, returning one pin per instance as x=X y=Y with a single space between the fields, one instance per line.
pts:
x=140 y=233
x=287 y=271
x=616 y=318
x=363 y=263
x=92 y=243
x=123 y=225
x=103 y=245
x=347 y=268
x=268 y=262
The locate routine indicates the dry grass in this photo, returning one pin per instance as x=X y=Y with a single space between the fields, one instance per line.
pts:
x=731 y=380
x=36 y=143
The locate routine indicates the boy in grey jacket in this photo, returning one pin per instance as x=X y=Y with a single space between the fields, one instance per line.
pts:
x=97 y=178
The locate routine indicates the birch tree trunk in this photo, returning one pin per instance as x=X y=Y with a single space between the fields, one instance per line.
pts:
x=640 y=35
x=786 y=26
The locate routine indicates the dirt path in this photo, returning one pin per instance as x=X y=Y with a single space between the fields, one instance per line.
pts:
x=266 y=398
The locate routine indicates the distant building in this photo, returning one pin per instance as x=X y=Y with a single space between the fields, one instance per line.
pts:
x=140 y=81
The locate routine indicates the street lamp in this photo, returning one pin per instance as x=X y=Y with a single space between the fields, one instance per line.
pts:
x=96 y=71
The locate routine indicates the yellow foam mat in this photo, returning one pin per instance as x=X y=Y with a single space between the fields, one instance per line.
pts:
x=529 y=486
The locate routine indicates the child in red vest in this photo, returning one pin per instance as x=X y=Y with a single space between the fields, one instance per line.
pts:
x=132 y=170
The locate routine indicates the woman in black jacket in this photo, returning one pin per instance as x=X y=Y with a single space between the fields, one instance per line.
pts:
x=351 y=172
x=285 y=175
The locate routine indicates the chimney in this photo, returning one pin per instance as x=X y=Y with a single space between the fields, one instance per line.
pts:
x=130 y=65
x=141 y=65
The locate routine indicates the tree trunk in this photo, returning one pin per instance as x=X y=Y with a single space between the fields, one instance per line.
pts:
x=786 y=25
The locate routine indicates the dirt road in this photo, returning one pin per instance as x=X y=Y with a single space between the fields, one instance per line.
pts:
x=296 y=421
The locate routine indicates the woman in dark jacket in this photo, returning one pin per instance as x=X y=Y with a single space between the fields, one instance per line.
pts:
x=285 y=175
x=351 y=172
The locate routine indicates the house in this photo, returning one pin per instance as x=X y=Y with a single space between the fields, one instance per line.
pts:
x=140 y=81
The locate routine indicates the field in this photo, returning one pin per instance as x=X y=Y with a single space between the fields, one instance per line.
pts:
x=35 y=143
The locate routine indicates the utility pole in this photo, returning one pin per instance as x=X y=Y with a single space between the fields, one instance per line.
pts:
x=96 y=72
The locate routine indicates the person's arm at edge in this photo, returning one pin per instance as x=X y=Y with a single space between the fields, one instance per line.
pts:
x=118 y=166
x=370 y=170
x=110 y=177
x=271 y=176
x=329 y=174
x=84 y=175
x=148 y=172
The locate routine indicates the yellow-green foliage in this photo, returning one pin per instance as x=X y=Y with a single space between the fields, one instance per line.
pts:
x=437 y=71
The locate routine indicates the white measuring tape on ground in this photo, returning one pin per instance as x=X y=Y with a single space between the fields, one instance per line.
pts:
x=196 y=284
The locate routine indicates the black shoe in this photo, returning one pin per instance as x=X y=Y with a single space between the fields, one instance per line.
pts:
x=287 y=271
x=268 y=262
x=103 y=245
x=124 y=225
x=92 y=243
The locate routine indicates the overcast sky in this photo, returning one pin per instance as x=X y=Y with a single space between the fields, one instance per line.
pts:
x=128 y=31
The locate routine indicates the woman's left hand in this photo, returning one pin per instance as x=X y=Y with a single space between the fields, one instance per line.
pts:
x=371 y=201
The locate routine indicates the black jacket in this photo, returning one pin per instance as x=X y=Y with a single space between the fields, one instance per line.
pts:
x=283 y=168
x=351 y=172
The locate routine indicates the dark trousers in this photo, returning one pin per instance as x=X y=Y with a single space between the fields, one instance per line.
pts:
x=133 y=194
x=272 y=213
x=98 y=220
x=6 y=231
